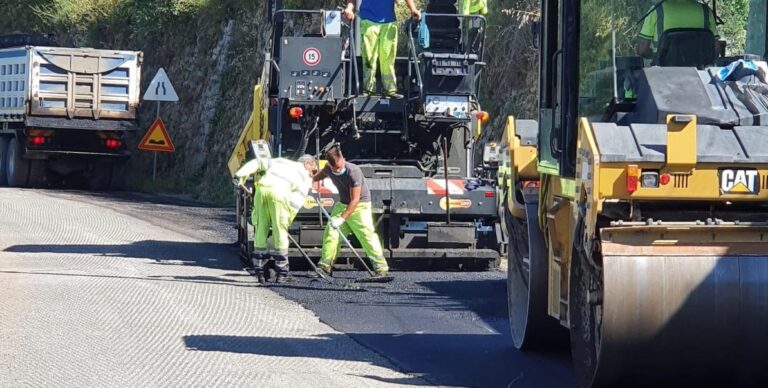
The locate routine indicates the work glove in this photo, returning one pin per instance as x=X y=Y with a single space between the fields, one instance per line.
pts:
x=336 y=222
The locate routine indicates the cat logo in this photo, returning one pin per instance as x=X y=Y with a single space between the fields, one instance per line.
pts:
x=739 y=181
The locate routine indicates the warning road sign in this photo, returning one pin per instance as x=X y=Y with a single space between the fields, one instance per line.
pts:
x=160 y=89
x=311 y=56
x=157 y=138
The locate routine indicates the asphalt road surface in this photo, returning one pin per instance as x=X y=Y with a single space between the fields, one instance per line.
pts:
x=136 y=290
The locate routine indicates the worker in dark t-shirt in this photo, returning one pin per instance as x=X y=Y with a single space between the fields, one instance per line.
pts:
x=352 y=214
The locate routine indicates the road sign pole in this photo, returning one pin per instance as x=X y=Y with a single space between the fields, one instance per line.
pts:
x=154 y=163
x=156 y=139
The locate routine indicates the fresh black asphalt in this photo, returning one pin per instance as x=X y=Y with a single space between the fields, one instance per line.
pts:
x=448 y=327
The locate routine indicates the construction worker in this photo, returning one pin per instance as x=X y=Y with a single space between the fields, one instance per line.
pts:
x=378 y=27
x=279 y=194
x=352 y=214
x=473 y=7
x=673 y=14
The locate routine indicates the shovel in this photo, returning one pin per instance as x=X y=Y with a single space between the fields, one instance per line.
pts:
x=372 y=278
x=306 y=256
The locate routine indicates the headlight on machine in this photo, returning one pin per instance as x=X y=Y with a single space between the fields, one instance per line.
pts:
x=649 y=179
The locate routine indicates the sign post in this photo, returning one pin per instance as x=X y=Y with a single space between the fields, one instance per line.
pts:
x=156 y=139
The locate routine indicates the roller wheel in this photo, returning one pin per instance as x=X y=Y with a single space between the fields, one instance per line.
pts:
x=4 y=160
x=585 y=311
x=17 y=168
x=527 y=277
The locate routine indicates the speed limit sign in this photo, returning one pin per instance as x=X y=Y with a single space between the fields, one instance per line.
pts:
x=311 y=56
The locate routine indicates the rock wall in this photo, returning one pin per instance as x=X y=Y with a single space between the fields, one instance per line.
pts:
x=213 y=54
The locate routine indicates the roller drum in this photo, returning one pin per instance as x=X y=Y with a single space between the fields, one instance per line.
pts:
x=658 y=319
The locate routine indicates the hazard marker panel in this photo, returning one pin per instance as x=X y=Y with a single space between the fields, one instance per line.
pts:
x=437 y=187
x=157 y=139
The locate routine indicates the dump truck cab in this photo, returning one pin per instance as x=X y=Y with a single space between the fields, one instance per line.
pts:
x=636 y=204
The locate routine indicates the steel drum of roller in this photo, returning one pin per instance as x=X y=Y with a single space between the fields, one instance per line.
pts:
x=672 y=307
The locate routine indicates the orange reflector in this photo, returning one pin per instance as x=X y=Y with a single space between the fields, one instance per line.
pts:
x=633 y=176
x=296 y=112
x=483 y=116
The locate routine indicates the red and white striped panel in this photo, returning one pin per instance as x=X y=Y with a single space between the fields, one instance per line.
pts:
x=326 y=188
x=437 y=187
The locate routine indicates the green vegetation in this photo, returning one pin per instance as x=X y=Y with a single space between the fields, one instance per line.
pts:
x=183 y=35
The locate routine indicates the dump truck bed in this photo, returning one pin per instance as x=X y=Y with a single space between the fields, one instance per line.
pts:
x=38 y=84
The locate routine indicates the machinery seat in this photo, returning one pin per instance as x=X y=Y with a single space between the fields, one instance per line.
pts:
x=445 y=32
x=686 y=47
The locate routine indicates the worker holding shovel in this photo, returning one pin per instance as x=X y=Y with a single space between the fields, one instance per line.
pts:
x=353 y=214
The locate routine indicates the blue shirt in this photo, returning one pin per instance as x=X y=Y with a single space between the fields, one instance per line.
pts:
x=379 y=11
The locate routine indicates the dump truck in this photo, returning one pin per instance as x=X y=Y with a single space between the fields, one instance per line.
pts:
x=430 y=207
x=635 y=203
x=65 y=113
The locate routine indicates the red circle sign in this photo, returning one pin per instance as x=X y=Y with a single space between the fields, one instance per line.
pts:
x=311 y=56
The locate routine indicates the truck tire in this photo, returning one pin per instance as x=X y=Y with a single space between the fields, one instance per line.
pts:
x=101 y=177
x=37 y=177
x=118 y=179
x=3 y=160
x=17 y=168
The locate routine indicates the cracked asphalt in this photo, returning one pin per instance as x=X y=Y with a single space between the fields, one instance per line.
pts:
x=125 y=289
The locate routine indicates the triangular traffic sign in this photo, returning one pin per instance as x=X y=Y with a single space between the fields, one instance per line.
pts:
x=161 y=89
x=157 y=139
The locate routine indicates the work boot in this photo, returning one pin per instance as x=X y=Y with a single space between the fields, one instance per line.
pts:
x=282 y=268
x=380 y=273
x=260 y=277
x=284 y=278
x=325 y=269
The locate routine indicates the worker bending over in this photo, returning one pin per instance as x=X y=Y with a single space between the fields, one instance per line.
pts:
x=378 y=26
x=279 y=194
x=673 y=14
x=352 y=214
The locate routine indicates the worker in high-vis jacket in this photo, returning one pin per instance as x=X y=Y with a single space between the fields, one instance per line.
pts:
x=352 y=214
x=281 y=187
x=669 y=15
x=473 y=7
x=378 y=28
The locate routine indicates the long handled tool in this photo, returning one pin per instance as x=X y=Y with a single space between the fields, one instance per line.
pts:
x=306 y=256
x=373 y=278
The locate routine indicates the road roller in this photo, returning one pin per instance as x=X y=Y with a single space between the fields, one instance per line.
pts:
x=636 y=203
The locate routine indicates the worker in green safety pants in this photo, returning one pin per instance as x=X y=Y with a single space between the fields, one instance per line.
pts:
x=473 y=7
x=280 y=191
x=352 y=214
x=378 y=26
x=672 y=14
